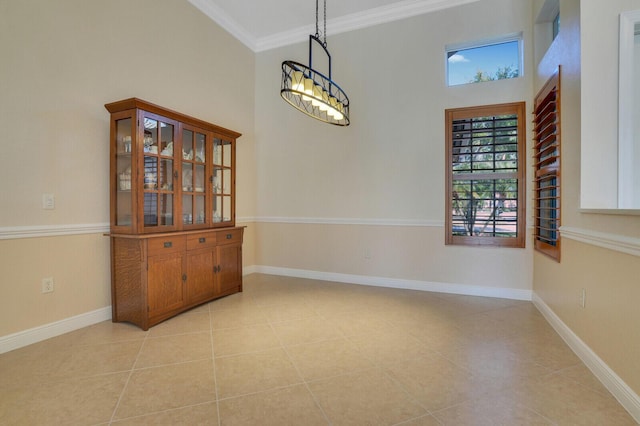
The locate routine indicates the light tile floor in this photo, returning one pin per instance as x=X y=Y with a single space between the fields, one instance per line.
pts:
x=290 y=351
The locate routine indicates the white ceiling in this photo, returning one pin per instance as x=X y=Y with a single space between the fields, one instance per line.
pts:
x=267 y=24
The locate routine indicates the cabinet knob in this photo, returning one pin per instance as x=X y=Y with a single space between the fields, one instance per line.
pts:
x=229 y=236
x=175 y=174
x=184 y=277
x=202 y=240
x=168 y=244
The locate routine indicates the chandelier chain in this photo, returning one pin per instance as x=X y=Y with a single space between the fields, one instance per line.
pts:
x=325 y=23
x=317 y=29
x=324 y=34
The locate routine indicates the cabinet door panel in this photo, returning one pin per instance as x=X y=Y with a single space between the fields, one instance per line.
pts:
x=200 y=276
x=165 y=284
x=157 y=190
x=230 y=261
x=121 y=194
x=196 y=175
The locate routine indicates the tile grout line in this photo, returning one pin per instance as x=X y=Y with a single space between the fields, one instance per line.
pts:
x=405 y=422
x=213 y=361
x=376 y=366
x=304 y=381
x=385 y=372
x=561 y=372
x=469 y=371
x=258 y=392
x=126 y=384
x=167 y=410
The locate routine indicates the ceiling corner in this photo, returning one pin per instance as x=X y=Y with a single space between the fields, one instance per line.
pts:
x=209 y=8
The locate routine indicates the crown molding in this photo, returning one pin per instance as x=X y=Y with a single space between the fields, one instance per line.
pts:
x=219 y=16
x=355 y=21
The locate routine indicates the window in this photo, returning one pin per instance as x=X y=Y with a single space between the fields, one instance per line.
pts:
x=547 y=27
x=486 y=175
x=547 y=168
x=556 y=26
x=495 y=59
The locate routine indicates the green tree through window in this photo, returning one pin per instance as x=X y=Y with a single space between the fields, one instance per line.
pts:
x=502 y=73
x=487 y=60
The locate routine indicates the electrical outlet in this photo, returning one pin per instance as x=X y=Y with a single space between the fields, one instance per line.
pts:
x=583 y=297
x=367 y=253
x=47 y=285
x=48 y=201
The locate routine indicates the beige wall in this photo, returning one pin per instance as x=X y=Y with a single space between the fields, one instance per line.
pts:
x=388 y=166
x=61 y=62
x=609 y=322
x=396 y=252
x=79 y=265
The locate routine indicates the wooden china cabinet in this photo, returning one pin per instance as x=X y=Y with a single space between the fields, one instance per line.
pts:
x=174 y=243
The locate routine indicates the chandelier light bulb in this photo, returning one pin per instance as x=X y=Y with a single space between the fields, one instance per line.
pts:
x=308 y=89
x=325 y=100
x=317 y=96
x=334 y=110
x=297 y=81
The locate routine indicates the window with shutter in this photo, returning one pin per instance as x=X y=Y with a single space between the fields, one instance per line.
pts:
x=547 y=168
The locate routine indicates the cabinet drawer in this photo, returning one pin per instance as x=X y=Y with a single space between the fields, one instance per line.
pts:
x=231 y=236
x=164 y=245
x=199 y=241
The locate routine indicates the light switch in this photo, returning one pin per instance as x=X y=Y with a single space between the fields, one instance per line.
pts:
x=48 y=202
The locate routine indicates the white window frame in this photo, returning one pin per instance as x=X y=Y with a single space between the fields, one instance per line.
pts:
x=484 y=43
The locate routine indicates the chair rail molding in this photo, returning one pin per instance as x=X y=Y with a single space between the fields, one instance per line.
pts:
x=344 y=221
x=37 y=231
x=621 y=243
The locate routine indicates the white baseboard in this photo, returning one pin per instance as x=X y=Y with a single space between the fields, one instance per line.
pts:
x=470 y=290
x=247 y=270
x=47 y=331
x=620 y=390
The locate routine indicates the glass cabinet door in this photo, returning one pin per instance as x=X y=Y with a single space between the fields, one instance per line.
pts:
x=195 y=150
x=158 y=171
x=223 y=185
x=123 y=196
x=168 y=171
